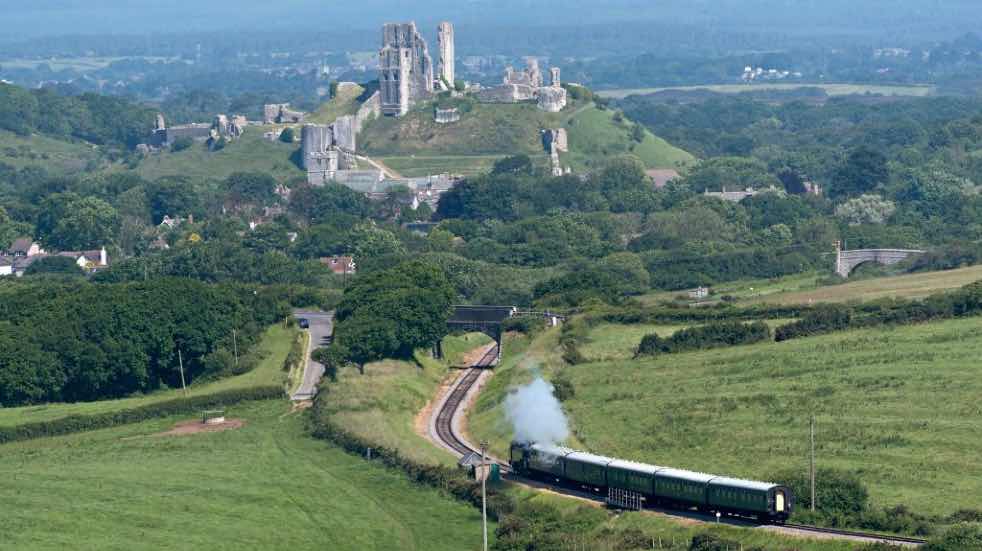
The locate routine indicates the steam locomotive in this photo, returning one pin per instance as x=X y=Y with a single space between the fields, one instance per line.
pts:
x=662 y=486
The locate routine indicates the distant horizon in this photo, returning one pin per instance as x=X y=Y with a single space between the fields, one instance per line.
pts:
x=49 y=18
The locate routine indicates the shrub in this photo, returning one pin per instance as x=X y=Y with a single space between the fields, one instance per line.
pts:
x=958 y=538
x=181 y=144
x=714 y=335
x=288 y=135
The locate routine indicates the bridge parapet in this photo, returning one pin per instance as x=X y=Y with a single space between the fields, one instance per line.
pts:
x=847 y=261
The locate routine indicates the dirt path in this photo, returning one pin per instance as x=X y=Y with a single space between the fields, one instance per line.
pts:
x=381 y=166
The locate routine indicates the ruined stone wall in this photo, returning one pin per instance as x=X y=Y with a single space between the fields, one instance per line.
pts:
x=552 y=100
x=447 y=116
x=280 y=113
x=317 y=139
x=372 y=108
x=555 y=139
x=405 y=68
x=448 y=59
x=507 y=93
x=344 y=131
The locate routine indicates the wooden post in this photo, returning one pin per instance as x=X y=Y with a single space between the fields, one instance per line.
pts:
x=812 y=462
x=180 y=362
x=484 y=495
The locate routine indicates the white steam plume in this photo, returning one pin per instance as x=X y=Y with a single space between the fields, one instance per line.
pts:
x=536 y=414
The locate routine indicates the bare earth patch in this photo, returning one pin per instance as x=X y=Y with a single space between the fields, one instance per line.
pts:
x=194 y=427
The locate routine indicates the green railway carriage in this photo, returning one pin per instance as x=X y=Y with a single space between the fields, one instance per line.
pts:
x=662 y=485
x=636 y=477
x=747 y=496
x=587 y=469
x=683 y=487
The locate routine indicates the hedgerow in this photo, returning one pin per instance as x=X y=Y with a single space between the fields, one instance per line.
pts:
x=81 y=423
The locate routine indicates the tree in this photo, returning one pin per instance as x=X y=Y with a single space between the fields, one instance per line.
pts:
x=288 y=135
x=54 y=265
x=368 y=241
x=88 y=223
x=517 y=164
x=28 y=374
x=867 y=209
x=863 y=171
x=393 y=312
x=181 y=144
x=730 y=173
x=251 y=188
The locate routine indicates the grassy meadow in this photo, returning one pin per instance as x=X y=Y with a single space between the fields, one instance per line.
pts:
x=272 y=349
x=264 y=486
x=416 y=144
x=381 y=405
x=898 y=406
x=250 y=153
x=57 y=156
x=610 y=341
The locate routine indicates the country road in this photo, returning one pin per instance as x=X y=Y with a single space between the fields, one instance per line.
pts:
x=321 y=329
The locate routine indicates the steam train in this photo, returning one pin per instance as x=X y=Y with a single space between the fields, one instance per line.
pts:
x=662 y=486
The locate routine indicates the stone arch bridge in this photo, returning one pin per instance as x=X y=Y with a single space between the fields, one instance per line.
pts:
x=847 y=261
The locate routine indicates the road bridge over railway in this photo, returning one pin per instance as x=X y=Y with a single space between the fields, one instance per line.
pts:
x=847 y=261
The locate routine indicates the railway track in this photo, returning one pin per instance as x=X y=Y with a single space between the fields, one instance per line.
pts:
x=444 y=420
x=903 y=540
x=448 y=436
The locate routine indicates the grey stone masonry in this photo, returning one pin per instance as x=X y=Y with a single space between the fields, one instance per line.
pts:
x=405 y=68
x=448 y=71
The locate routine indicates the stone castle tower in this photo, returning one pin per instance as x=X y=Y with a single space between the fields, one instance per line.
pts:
x=405 y=68
x=448 y=72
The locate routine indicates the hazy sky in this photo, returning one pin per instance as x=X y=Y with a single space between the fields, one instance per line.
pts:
x=51 y=17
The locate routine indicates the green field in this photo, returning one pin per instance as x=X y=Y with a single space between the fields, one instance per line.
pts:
x=830 y=89
x=264 y=486
x=58 y=156
x=593 y=133
x=899 y=406
x=911 y=286
x=382 y=404
x=273 y=349
x=249 y=153
x=416 y=145
x=609 y=341
x=425 y=165
x=344 y=103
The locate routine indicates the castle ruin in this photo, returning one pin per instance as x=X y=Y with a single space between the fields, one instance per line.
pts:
x=528 y=85
x=405 y=68
x=445 y=34
x=229 y=128
x=280 y=113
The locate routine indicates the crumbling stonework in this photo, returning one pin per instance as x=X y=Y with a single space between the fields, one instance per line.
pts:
x=323 y=156
x=405 y=68
x=280 y=113
x=447 y=116
x=372 y=108
x=528 y=85
x=555 y=139
x=221 y=127
x=552 y=99
x=448 y=72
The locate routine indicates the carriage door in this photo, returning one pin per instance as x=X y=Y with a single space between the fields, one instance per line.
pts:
x=779 y=502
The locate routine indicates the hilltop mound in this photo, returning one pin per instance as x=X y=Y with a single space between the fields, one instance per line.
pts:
x=416 y=143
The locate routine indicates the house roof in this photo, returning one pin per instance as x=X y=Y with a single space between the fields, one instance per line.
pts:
x=6 y=261
x=21 y=245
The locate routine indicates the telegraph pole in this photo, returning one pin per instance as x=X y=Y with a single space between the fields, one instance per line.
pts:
x=484 y=494
x=812 y=462
x=180 y=362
